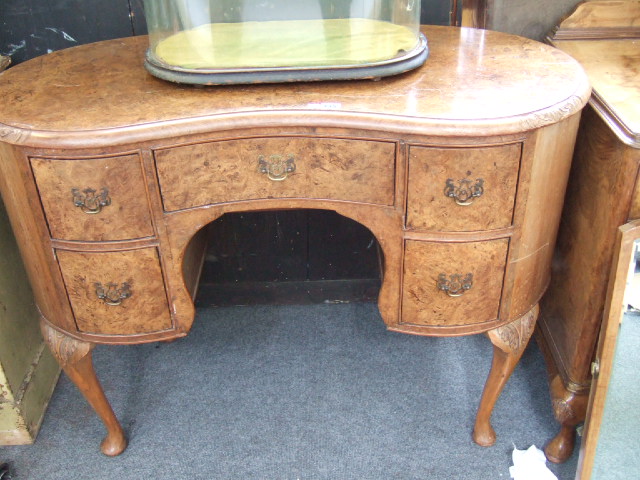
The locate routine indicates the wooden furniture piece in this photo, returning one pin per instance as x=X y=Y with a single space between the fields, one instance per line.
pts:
x=28 y=372
x=473 y=13
x=458 y=168
x=622 y=269
x=603 y=194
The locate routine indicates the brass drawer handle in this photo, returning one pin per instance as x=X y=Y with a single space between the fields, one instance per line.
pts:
x=276 y=167
x=112 y=294
x=88 y=201
x=455 y=285
x=466 y=191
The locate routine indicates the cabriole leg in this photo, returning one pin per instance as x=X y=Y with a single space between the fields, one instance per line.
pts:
x=509 y=342
x=75 y=358
x=570 y=409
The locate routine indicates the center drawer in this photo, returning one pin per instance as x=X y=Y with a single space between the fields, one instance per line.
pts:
x=276 y=167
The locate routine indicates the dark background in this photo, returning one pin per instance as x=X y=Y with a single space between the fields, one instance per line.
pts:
x=301 y=256
x=34 y=27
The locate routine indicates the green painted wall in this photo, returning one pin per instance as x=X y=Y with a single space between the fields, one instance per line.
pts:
x=28 y=372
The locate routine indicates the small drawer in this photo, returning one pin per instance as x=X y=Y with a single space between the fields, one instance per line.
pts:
x=462 y=189
x=278 y=167
x=116 y=293
x=450 y=284
x=93 y=199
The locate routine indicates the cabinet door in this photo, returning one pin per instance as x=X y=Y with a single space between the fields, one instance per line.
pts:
x=94 y=199
x=449 y=284
x=462 y=189
x=116 y=293
x=608 y=429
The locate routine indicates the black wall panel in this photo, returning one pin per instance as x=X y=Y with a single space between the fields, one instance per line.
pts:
x=29 y=28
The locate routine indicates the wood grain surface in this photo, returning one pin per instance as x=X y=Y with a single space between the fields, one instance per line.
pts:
x=146 y=310
x=602 y=14
x=422 y=301
x=483 y=96
x=602 y=195
x=428 y=206
x=485 y=104
x=613 y=67
x=125 y=217
x=340 y=169
x=603 y=176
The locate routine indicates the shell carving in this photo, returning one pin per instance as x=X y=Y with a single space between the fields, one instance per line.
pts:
x=65 y=349
x=571 y=106
x=514 y=336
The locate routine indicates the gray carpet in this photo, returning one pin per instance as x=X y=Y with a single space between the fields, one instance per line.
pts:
x=296 y=392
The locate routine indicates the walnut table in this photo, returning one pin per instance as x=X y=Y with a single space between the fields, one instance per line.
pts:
x=458 y=168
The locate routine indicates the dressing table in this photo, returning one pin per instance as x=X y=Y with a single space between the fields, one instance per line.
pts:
x=458 y=168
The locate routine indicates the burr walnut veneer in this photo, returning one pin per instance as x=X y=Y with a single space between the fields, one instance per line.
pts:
x=458 y=168
x=603 y=195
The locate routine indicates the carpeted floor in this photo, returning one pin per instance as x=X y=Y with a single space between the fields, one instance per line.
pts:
x=296 y=392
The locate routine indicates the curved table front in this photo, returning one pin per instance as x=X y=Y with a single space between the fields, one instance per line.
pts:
x=458 y=168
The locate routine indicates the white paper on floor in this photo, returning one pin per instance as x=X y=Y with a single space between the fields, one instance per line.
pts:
x=530 y=464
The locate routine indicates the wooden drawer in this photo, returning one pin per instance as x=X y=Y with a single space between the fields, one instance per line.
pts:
x=256 y=168
x=442 y=182
x=430 y=267
x=131 y=281
x=93 y=199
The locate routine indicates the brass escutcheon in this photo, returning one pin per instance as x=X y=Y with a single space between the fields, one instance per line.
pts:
x=456 y=284
x=466 y=191
x=113 y=294
x=276 y=167
x=88 y=201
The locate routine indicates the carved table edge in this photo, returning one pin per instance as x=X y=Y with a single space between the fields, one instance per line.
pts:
x=116 y=339
x=608 y=115
x=401 y=125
